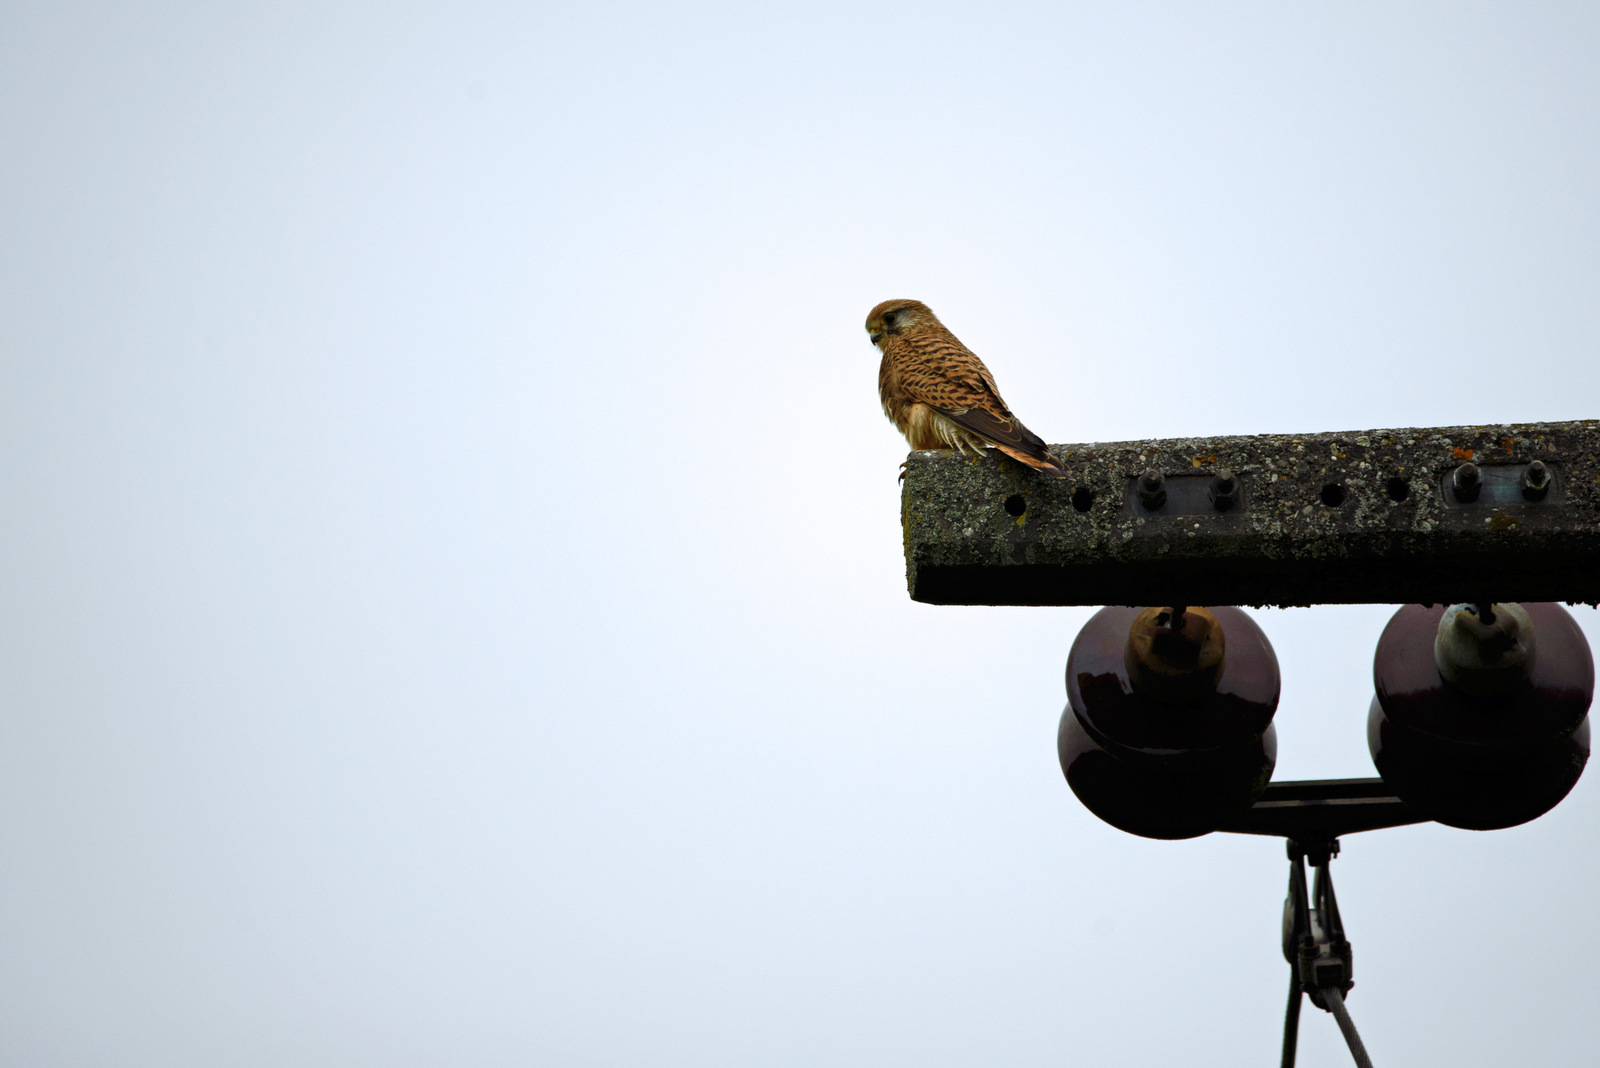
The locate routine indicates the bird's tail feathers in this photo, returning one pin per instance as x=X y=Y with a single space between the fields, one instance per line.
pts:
x=1042 y=462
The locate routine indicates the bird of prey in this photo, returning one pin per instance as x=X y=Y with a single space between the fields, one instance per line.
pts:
x=939 y=394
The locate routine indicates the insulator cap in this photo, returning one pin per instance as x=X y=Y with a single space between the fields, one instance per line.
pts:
x=1548 y=705
x=1101 y=692
x=1485 y=650
x=1175 y=659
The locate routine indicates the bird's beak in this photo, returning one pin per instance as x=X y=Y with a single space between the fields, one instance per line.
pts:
x=876 y=337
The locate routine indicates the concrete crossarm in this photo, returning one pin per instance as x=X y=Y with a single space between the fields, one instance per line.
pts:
x=1361 y=517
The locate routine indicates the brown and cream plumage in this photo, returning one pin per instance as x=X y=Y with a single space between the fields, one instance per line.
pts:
x=939 y=394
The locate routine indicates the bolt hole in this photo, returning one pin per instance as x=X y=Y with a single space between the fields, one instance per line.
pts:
x=1083 y=498
x=1016 y=504
x=1333 y=495
x=1397 y=488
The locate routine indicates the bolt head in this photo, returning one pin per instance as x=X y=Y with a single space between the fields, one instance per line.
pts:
x=1152 y=489
x=1536 y=481
x=1224 y=490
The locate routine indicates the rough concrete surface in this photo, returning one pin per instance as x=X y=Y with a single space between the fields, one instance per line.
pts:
x=1341 y=518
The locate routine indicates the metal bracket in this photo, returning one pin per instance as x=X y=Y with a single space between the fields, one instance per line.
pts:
x=1321 y=810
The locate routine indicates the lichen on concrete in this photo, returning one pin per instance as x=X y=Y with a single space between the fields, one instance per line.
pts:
x=1392 y=534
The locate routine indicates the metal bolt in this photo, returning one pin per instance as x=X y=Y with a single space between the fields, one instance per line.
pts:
x=1536 y=481
x=1152 y=490
x=1467 y=480
x=1224 y=490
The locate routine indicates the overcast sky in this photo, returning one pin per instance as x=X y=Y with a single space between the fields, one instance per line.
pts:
x=452 y=608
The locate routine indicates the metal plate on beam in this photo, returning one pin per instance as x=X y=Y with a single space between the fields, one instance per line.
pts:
x=1500 y=484
x=1344 y=518
x=1184 y=494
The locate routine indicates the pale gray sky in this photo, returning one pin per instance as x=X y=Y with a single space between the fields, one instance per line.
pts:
x=452 y=608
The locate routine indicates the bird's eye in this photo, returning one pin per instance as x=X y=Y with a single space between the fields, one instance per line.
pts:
x=888 y=319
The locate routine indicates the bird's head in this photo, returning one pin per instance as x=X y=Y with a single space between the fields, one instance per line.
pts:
x=897 y=317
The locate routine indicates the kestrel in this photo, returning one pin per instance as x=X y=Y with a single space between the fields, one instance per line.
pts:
x=939 y=394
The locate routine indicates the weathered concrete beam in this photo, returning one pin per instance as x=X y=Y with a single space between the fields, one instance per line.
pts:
x=1361 y=517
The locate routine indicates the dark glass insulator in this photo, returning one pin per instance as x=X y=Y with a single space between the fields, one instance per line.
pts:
x=1488 y=760
x=1165 y=769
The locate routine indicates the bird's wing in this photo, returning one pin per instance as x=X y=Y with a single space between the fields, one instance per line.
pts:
x=999 y=431
x=952 y=381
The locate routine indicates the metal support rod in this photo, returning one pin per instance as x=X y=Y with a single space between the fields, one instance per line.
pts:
x=1327 y=905
x=1291 y=1021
